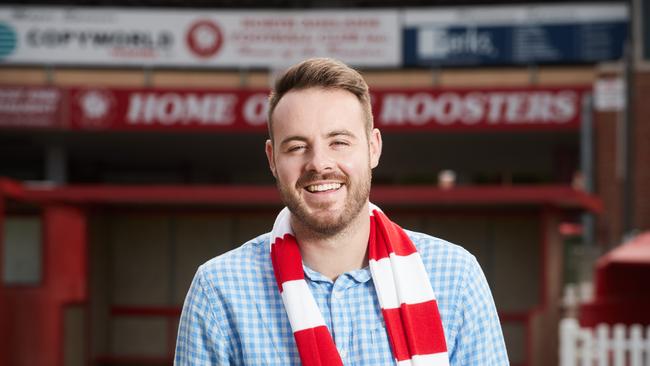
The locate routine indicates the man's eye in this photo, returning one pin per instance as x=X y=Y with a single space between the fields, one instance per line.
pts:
x=296 y=148
x=340 y=143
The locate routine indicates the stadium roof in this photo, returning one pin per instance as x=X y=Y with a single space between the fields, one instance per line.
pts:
x=284 y=4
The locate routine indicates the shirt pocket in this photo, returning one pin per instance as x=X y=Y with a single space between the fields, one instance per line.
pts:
x=370 y=346
x=267 y=355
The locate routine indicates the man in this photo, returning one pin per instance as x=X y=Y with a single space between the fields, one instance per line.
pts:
x=336 y=282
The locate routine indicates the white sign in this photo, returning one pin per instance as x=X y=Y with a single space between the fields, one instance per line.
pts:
x=141 y=37
x=609 y=94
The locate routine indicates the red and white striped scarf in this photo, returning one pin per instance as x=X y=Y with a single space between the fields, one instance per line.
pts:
x=407 y=301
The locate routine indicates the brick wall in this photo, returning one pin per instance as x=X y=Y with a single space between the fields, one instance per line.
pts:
x=608 y=179
x=642 y=153
x=608 y=183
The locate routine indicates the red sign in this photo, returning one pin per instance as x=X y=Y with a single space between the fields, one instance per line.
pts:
x=491 y=109
x=30 y=107
x=245 y=110
x=156 y=109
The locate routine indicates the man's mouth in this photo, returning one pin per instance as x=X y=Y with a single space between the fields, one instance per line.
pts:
x=314 y=188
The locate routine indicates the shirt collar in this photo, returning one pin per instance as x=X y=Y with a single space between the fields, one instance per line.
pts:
x=360 y=275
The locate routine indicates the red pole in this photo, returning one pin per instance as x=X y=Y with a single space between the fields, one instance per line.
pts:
x=65 y=270
x=40 y=338
x=4 y=346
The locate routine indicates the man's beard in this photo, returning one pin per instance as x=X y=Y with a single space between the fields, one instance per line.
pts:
x=321 y=225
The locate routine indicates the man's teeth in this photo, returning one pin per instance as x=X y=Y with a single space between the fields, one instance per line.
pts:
x=323 y=187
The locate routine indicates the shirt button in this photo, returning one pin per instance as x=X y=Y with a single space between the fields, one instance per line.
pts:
x=343 y=353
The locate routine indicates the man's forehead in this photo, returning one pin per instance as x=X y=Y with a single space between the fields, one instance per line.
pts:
x=308 y=113
x=337 y=104
x=291 y=100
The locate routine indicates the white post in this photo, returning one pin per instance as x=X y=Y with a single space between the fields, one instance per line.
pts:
x=636 y=345
x=647 y=345
x=568 y=332
x=619 y=345
x=602 y=344
x=586 y=353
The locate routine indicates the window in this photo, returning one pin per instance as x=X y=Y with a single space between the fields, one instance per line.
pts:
x=22 y=250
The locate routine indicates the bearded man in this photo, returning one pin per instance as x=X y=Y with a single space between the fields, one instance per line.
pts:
x=336 y=282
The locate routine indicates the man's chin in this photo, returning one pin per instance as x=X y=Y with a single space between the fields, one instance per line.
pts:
x=321 y=221
x=325 y=227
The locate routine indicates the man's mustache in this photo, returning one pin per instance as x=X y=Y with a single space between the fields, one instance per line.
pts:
x=311 y=176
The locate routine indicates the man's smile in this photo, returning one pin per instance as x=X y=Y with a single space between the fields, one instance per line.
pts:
x=324 y=187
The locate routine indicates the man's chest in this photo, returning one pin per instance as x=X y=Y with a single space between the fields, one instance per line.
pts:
x=351 y=313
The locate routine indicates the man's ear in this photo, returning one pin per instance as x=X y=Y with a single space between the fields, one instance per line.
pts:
x=375 y=147
x=269 y=155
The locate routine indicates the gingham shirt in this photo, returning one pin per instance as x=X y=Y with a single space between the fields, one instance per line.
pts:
x=233 y=313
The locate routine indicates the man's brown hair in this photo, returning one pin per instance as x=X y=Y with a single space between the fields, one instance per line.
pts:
x=323 y=73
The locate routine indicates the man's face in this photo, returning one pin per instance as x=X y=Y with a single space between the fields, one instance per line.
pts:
x=322 y=157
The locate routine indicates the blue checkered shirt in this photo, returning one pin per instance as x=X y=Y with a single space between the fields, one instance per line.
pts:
x=233 y=313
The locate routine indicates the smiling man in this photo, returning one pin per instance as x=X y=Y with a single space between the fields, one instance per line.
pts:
x=336 y=282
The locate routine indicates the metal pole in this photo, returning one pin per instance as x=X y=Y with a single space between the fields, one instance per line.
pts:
x=628 y=133
x=56 y=170
x=587 y=165
x=148 y=76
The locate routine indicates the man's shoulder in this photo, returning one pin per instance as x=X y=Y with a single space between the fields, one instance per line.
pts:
x=434 y=250
x=246 y=258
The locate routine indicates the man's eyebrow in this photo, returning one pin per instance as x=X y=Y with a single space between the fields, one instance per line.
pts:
x=336 y=133
x=293 y=138
x=331 y=134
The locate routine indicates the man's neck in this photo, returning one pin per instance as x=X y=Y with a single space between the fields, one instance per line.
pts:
x=334 y=255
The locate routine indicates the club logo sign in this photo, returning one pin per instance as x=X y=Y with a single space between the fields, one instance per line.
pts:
x=148 y=109
x=96 y=108
x=8 y=40
x=204 y=38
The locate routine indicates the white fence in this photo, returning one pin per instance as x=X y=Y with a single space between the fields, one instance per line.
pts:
x=619 y=345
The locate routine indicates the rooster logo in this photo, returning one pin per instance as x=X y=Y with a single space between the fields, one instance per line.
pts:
x=204 y=38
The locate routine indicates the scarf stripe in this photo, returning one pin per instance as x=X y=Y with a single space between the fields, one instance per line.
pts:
x=300 y=306
x=316 y=347
x=405 y=296
x=405 y=279
x=426 y=337
x=315 y=344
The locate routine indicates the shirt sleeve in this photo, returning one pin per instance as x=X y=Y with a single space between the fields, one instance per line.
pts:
x=200 y=341
x=480 y=339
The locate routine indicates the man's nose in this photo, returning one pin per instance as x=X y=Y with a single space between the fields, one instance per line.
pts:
x=319 y=160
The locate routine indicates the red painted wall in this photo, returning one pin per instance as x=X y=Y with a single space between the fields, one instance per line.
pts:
x=33 y=316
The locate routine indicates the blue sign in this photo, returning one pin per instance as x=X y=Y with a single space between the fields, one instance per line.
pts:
x=7 y=40
x=429 y=45
x=645 y=29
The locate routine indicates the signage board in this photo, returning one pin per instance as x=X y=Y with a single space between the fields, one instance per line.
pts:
x=227 y=39
x=394 y=110
x=515 y=35
x=644 y=25
x=609 y=94
x=30 y=107
x=223 y=110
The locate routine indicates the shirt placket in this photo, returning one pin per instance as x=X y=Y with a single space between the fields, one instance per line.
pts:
x=341 y=321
